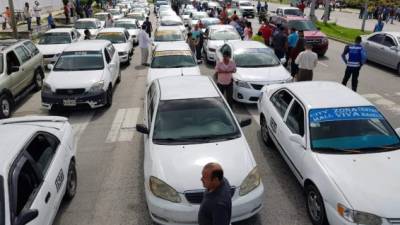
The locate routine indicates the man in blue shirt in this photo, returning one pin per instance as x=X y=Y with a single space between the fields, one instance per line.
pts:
x=356 y=58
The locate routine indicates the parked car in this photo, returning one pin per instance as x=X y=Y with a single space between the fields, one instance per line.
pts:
x=140 y=17
x=175 y=21
x=86 y=73
x=340 y=148
x=383 y=48
x=196 y=16
x=91 y=24
x=246 y=8
x=102 y=17
x=185 y=128
x=285 y=12
x=186 y=15
x=131 y=25
x=21 y=68
x=121 y=40
x=54 y=41
x=116 y=13
x=168 y=34
x=37 y=168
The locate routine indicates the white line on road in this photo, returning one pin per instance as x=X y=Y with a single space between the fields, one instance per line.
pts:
x=79 y=123
x=123 y=126
x=386 y=104
x=323 y=64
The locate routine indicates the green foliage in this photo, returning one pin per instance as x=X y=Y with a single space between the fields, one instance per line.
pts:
x=338 y=32
x=359 y=3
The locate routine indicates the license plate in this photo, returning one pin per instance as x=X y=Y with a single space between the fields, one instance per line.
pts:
x=69 y=102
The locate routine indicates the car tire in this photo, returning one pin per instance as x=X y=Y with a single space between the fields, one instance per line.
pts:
x=315 y=205
x=72 y=181
x=264 y=132
x=5 y=106
x=119 y=77
x=398 y=69
x=109 y=97
x=38 y=79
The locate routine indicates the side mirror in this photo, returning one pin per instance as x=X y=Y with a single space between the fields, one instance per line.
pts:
x=283 y=60
x=394 y=48
x=245 y=122
x=50 y=66
x=398 y=131
x=298 y=140
x=141 y=128
x=27 y=216
x=13 y=69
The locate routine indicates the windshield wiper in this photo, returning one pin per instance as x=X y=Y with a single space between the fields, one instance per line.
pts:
x=381 y=148
x=336 y=150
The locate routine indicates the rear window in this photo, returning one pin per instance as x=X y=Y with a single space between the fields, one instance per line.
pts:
x=55 y=38
x=113 y=37
x=80 y=60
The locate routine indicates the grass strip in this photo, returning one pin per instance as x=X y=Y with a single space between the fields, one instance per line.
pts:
x=340 y=33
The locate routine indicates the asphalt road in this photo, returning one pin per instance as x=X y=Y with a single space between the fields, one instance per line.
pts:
x=110 y=151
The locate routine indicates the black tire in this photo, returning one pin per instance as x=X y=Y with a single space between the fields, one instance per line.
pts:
x=265 y=133
x=38 y=80
x=119 y=77
x=6 y=106
x=398 y=69
x=72 y=181
x=109 y=97
x=315 y=206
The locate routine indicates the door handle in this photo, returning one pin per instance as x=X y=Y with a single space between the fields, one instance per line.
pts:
x=47 y=197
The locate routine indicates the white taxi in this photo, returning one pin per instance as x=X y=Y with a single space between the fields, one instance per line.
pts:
x=340 y=148
x=122 y=41
x=102 y=17
x=175 y=21
x=168 y=34
x=172 y=59
x=86 y=73
x=91 y=24
x=54 y=41
x=131 y=25
x=184 y=129
x=257 y=66
x=196 y=16
x=138 y=16
x=37 y=169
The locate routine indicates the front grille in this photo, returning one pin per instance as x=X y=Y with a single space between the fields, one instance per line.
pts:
x=253 y=99
x=196 y=197
x=76 y=91
x=394 y=221
x=314 y=41
x=121 y=53
x=257 y=86
x=48 y=56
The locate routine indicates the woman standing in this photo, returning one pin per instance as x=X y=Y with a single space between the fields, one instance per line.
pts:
x=248 y=32
x=224 y=71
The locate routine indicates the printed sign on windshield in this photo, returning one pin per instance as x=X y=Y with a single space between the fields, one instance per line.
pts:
x=345 y=113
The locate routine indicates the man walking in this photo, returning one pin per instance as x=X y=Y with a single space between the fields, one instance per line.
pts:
x=307 y=61
x=144 y=44
x=149 y=27
x=216 y=207
x=356 y=58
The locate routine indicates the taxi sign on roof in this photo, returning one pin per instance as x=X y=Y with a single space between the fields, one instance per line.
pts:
x=172 y=52
x=346 y=113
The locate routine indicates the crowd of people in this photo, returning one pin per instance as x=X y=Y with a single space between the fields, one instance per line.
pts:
x=76 y=9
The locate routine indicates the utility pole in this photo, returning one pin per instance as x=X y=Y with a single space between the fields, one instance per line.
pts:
x=13 y=20
x=312 y=10
x=365 y=14
x=326 y=11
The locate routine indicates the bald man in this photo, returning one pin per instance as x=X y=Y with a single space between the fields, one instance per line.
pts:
x=216 y=207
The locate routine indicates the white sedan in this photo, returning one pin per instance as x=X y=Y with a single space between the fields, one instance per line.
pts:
x=54 y=41
x=340 y=148
x=116 y=13
x=121 y=40
x=37 y=169
x=138 y=16
x=216 y=36
x=102 y=17
x=172 y=59
x=131 y=25
x=91 y=24
x=184 y=129
x=175 y=21
x=196 y=16
x=168 y=34
x=257 y=66
x=86 y=73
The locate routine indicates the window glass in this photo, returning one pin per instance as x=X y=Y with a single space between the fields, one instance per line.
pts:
x=173 y=61
x=107 y=56
x=42 y=150
x=26 y=184
x=126 y=25
x=113 y=37
x=11 y=61
x=389 y=42
x=256 y=57
x=221 y=34
x=1 y=63
x=305 y=25
x=168 y=35
x=295 y=119
x=281 y=101
x=85 y=25
x=378 y=38
x=150 y=102
x=55 y=38
x=81 y=60
x=32 y=47
x=293 y=12
x=22 y=53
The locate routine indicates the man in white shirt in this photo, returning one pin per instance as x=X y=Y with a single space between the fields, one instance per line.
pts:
x=36 y=12
x=307 y=61
x=144 y=44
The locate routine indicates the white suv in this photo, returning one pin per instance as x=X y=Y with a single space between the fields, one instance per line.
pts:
x=85 y=74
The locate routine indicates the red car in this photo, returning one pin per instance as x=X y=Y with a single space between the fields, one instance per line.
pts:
x=312 y=34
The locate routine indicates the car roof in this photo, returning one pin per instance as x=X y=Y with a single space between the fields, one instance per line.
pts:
x=60 y=30
x=4 y=44
x=112 y=30
x=325 y=94
x=181 y=87
x=288 y=7
x=199 y=12
x=126 y=20
x=87 y=45
x=221 y=27
x=171 y=28
x=88 y=19
x=239 y=44
x=172 y=46
x=101 y=13
x=171 y=18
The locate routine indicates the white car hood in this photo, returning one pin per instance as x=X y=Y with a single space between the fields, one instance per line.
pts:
x=155 y=73
x=370 y=182
x=262 y=74
x=123 y=47
x=180 y=166
x=246 y=7
x=93 y=32
x=133 y=32
x=73 y=79
x=215 y=43
x=52 y=49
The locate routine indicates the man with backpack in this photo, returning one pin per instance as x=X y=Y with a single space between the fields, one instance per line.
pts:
x=356 y=58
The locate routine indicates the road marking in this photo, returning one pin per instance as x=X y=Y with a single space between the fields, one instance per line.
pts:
x=323 y=64
x=397 y=93
x=123 y=126
x=79 y=123
x=383 y=102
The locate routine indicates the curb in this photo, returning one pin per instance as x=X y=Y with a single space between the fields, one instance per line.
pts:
x=338 y=40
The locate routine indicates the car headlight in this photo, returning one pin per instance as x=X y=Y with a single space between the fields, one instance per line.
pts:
x=211 y=49
x=97 y=87
x=46 y=87
x=122 y=53
x=252 y=181
x=162 y=190
x=242 y=84
x=357 y=216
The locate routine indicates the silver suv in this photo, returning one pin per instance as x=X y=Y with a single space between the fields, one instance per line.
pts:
x=21 y=67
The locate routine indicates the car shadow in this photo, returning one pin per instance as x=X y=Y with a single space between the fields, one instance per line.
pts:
x=383 y=68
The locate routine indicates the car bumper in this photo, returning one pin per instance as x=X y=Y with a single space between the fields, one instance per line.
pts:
x=123 y=58
x=245 y=95
x=94 y=100
x=168 y=213
x=320 y=49
x=211 y=56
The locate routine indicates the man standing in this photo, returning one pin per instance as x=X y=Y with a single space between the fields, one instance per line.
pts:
x=144 y=44
x=292 y=41
x=266 y=31
x=28 y=16
x=279 y=42
x=379 y=25
x=356 y=58
x=36 y=13
x=216 y=207
x=307 y=61
x=149 y=27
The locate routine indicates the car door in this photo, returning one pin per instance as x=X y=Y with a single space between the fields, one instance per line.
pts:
x=390 y=56
x=14 y=76
x=27 y=68
x=294 y=125
x=114 y=61
x=373 y=47
x=130 y=40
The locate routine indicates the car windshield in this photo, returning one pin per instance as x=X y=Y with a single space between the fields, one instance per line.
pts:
x=210 y=22
x=246 y=4
x=168 y=36
x=173 y=59
x=306 y=25
x=256 y=57
x=171 y=23
x=293 y=12
x=2 y=200
x=193 y=121
x=136 y=16
x=55 y=38
x=351 y=130
x=85 y=25
x=80 y=60
x=398 y=39
x=114 y=37
x=114 y=12
x=224 y=35
x=126 y=25
x=101 y=17
x=198 y=16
